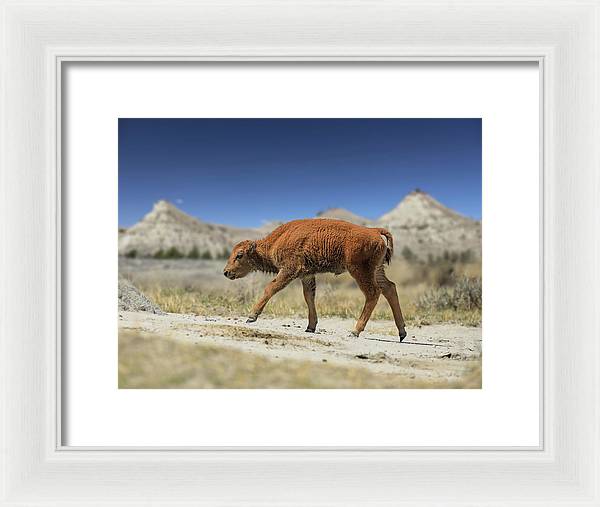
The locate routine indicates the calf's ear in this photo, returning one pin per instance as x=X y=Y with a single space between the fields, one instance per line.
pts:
x=252 y=247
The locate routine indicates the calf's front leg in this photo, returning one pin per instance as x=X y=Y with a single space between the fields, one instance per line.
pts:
x=272 y=288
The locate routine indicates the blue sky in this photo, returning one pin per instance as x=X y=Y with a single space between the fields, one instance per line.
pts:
x=244 y=172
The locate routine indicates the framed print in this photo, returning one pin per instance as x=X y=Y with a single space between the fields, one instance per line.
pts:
x=230 y=164
x=297 y=254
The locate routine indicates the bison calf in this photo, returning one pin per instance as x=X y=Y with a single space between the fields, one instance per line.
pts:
x=302 y=248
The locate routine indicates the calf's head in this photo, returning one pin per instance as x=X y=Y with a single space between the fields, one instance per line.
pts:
x=240 y=261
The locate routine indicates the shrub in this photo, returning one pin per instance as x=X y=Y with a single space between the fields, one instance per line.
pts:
x=465 y=294
x=132 y=254
x=468 y=293
x=173 y=253
x=194 y=253
x=466 y=256
x=442 y=274
x=408 y=254
x=206 y=255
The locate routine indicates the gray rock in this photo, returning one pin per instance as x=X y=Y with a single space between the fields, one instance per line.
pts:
x=132 y=300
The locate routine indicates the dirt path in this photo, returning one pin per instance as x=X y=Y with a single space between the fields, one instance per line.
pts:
x=437 y=352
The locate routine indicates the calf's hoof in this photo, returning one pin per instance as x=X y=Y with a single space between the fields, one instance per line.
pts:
x=402 y=334
x=252 y=318
x=354 y=333
x=310 y=329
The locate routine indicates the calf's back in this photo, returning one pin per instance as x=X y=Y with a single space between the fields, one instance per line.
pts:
x=324 y=245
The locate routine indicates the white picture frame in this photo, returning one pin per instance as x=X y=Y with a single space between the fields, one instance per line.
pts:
x=38 y=37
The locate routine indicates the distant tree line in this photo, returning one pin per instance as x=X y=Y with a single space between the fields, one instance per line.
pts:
x=175 y=253
x=463 y=257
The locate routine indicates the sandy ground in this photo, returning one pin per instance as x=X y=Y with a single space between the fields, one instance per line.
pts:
x=430 y=353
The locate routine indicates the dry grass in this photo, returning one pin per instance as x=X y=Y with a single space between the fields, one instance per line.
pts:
x=289 y=303
x=148 y=361
x=422 y=289
x=420 y=304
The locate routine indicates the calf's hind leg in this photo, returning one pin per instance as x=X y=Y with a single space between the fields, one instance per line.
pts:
x=388 y=288
x=309 y=287
x=365 y=277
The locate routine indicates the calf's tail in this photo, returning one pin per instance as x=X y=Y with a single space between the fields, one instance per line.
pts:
x=390 y=244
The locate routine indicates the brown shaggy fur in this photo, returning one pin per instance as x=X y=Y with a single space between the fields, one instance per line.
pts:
x=303 y=248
